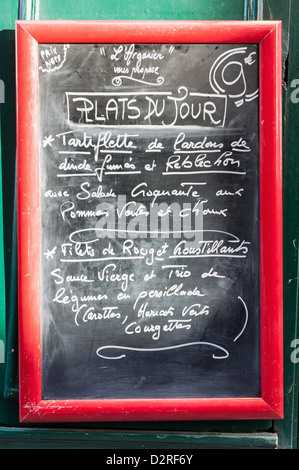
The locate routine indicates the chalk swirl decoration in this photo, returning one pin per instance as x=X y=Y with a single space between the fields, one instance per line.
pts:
x=117 y=81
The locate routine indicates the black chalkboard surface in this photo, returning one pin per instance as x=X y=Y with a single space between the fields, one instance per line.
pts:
x=149 y=197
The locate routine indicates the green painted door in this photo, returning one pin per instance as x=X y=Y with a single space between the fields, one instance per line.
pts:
x=137 y=10
x=192 y=435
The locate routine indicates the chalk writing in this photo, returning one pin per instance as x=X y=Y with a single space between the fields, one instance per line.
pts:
x=148 y=211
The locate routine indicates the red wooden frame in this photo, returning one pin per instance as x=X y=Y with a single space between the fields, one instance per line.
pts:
x=268 y=36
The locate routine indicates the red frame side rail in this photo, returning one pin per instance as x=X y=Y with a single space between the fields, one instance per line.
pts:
x=268 y=36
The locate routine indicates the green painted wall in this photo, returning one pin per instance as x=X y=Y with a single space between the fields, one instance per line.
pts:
x=8 y=14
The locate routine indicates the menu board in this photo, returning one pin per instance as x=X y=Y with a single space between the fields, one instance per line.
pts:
x=149 y=207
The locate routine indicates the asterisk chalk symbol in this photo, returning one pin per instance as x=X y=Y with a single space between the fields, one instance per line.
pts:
x=48 y=141
x=50 y=253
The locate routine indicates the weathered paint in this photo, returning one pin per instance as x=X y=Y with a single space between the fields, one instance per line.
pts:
x=228 y=435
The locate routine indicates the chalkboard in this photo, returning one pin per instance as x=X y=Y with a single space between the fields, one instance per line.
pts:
x=149 y=194
x=150 y=220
